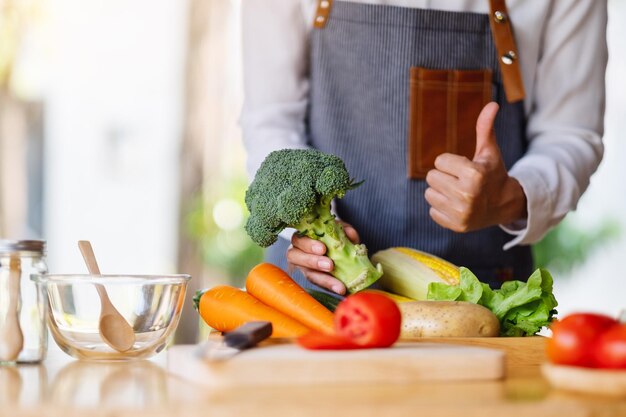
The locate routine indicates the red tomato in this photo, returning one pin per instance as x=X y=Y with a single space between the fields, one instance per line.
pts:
x=574 y=337
x=369 y=319
x=323 y=341
x=610 y=349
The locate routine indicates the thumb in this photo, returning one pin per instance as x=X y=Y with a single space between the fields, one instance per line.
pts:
x=486 y=146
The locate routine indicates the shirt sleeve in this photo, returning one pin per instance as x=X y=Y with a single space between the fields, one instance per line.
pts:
x=276 y=86
x=566 y=119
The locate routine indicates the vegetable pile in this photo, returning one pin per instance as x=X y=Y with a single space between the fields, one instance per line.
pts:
x=294 y=188
x=523 y=308
x=588 y=340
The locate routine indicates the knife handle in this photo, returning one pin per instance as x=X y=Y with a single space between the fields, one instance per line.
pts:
x=248 y=335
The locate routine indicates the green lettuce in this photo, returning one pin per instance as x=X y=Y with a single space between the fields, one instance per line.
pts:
x=523 y=308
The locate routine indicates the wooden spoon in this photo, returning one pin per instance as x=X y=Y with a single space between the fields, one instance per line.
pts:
x=113 y=327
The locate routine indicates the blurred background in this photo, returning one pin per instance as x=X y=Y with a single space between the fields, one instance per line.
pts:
x=118 y=124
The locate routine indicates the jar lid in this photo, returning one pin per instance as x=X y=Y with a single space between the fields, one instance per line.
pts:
x=9 y=246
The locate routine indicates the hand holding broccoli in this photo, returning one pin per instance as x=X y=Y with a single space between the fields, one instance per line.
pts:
x=308 y=255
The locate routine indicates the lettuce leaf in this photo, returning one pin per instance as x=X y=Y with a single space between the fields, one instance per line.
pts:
x=523 y=308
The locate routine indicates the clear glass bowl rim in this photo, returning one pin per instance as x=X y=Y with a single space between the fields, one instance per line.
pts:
x=115 y=279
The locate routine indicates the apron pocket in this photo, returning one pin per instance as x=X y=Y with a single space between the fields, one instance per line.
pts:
x=443 y=108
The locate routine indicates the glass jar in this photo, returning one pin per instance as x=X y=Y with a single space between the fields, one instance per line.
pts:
x=23 y=333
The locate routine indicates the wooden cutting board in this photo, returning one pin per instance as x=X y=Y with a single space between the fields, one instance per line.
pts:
x=524 y=355
x=288 y=364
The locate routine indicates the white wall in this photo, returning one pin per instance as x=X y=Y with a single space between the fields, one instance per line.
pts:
x=113 y=128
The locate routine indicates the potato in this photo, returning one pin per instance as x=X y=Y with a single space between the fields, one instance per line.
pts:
x=447 y=319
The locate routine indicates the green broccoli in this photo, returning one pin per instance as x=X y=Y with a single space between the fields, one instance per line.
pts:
x=294 y=188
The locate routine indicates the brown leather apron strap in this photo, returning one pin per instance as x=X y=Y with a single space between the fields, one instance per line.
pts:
x=507 y=51
x=502 y=36
x=322 y=13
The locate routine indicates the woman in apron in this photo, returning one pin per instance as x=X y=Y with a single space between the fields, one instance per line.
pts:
x=404 y=95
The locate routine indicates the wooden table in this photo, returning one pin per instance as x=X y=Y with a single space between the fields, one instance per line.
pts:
x=65 y=387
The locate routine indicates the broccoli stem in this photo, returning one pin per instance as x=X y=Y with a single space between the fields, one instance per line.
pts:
x=352 y=266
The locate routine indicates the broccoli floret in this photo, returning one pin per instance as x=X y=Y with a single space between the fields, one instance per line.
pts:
x=294 y=188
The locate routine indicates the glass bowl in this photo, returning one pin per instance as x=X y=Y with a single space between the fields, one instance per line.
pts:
x=151 y=304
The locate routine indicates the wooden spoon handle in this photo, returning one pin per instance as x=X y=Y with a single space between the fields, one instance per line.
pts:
x=90 y=258
x=92 y=265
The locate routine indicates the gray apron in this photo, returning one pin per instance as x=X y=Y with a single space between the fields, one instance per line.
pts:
x=359 y=71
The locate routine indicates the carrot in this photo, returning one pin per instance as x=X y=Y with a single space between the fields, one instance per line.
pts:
x=274 y=287
x=225 y=308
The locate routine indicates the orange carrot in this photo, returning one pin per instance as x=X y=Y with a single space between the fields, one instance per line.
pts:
x=225 y=308
x=274 y=287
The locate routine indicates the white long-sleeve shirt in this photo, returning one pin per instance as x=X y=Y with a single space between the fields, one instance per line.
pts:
x=563 y=55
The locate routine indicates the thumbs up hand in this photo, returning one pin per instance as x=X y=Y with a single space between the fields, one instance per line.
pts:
x=469 y=195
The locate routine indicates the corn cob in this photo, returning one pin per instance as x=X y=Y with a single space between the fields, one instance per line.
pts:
x=408 y=271
x=447 y=271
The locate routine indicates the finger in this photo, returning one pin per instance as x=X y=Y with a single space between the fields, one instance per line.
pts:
x=299 y=258
x=444 y=220
x=443 y=203
x=455 y=165
x=351 y=232
x=486 y=146
x=324 y=280
x=460 y=191
x=307 y=244
x=442 y=182
x=435 y=198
